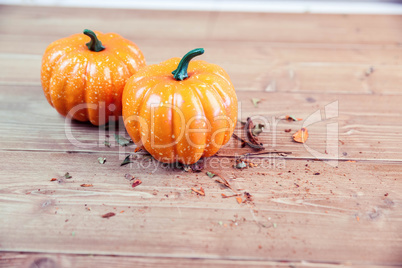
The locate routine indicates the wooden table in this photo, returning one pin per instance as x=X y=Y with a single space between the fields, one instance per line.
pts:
x=309 y=208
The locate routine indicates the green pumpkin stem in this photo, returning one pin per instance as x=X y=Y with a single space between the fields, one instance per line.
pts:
x=181 y=72
x=93 y=45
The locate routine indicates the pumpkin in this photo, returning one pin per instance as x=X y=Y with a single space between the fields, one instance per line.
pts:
x=85 y=81
x=180 y=111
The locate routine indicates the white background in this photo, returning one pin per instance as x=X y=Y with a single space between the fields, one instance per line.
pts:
x=287 y=6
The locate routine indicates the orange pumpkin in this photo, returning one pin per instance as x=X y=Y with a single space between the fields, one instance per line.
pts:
x=180 y=110
x=86 y=80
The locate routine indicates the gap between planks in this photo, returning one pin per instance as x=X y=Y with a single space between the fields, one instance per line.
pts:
x=268 y=155
x=11 y=258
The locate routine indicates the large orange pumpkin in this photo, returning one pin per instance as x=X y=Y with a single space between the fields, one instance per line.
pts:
x=86 y=80
x=180 y=110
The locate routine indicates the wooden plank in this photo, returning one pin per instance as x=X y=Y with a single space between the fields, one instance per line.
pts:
x=11 y=259
x=231 y=26
x=148 y=24
x=268 y=75
x=366 y=132
x=350 y=214
x=310 y=28
x=268 y=64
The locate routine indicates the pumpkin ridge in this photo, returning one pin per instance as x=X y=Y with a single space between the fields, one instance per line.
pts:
x=112 y=96
x=222 y=97
x=221 y=73
x=117 y=59
x=199 y=97
x=52 y=67
x=86 y=85
x=129 y=46
x=140 y=107
x=137 y=65
x=174 y=149
x=67 y=74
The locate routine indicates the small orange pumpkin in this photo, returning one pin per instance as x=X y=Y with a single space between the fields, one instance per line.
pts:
x=180 y=110
x=86 y=80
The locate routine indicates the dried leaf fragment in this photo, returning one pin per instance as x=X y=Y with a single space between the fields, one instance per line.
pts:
x=255 y=102
x=257 y=129
x=240 y=165
x=126 y=160
x=101 y=160
x=198 y=166
x=253 y=140
x=228 y=196
x=67 y=175
x=108 y=215
x=86 y=185
x=139 y=148
x=248 y=197
x=53 y=179
x=369 y=71
x=301 y=135
x=239 y=200
x=210 y=174
x=136 y=183
x=200 y=191
x=121 y=140
x=225 y=182
x=251 y=164
x=292 y=118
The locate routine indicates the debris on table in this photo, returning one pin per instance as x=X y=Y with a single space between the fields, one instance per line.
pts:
x=224 y=182
x=53 y=179
x=301 y=135
x=292 y=118
x=108 y=215
x=210 y=174
x=253 y=140
x=139 y=148
x=257 y=129
x=86 y=185
x=67 y=175
x=126 y=160
x=198 y=166
x=369 y=71
x=136 y=183
x=251 y=131
x=228 y=196
x=200 y=191
x=106 y=143
x=240 y=164
x=101 y=160
x=122 y=141
x=255 y=102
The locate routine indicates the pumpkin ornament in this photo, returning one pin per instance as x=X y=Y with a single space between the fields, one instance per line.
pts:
x=180 y=111
x=85 y=80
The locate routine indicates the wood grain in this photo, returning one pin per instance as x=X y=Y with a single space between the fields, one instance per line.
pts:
x=367 y=132
x=294 y=216
x=190 y=25
x=85 y=261
x=273 y=60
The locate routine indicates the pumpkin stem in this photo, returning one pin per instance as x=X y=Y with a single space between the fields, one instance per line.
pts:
x=181 y=72
x=93 y=45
